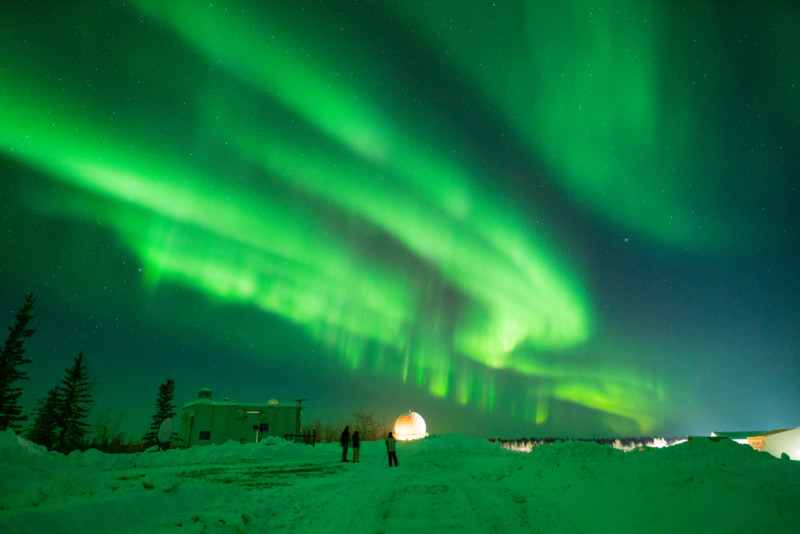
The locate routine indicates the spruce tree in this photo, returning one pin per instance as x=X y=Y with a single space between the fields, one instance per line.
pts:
x=75 y=400
x=165 y=409
x=12 y=356
x=46 y=421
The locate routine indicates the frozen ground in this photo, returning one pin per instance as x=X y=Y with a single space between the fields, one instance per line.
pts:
x=444 y=483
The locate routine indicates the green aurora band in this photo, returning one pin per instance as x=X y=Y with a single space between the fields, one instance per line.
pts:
x=301 y=250
x=600 y=95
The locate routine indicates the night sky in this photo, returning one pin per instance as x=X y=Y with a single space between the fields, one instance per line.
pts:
x=515 y=218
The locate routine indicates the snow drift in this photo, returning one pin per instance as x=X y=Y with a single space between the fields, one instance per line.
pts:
x=444 y=482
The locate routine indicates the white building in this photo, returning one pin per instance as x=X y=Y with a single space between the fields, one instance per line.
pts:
x=776 y=442
x=205 y=421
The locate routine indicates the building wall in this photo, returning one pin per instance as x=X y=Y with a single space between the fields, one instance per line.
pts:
x=785 y=442
x=774 y=442
x=204 y=422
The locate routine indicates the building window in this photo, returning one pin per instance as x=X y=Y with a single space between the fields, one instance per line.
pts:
x=205 y=434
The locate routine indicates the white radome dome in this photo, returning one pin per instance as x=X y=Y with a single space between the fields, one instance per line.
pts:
x=410 y=425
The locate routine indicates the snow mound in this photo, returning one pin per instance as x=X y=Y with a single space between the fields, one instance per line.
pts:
x=452 y=443
x=15 y=448
x=443 y=483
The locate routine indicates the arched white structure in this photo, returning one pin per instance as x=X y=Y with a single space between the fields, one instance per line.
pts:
x=410 y=426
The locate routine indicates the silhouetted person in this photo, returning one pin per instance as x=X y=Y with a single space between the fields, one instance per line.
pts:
x=356 y=446
x=345 y=441
x=391 y=444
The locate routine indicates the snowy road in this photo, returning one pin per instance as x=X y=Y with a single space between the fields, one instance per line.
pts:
x=443 y=484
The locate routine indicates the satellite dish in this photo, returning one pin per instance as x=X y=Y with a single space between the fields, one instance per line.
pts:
x=165 y=430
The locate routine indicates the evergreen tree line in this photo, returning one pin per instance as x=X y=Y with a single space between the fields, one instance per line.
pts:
x=60 y=418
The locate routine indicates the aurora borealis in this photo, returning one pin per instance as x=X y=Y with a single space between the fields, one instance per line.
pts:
x=521 y=218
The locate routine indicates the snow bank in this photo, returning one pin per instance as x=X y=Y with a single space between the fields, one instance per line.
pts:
x=443 y=482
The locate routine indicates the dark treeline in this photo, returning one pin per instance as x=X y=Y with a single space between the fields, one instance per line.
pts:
x=12 y=358
x=60 y=419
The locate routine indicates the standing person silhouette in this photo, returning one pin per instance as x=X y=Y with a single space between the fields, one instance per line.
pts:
x=356 y=446
x=391 y=445
x=345 y=441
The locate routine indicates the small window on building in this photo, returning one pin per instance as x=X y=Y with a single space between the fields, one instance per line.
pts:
x=205 y=434
x=264 y=427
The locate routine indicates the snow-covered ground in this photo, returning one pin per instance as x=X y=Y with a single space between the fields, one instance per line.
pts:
x=444 y=483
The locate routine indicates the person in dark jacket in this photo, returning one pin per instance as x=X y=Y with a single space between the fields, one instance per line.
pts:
x=356 y=446
x=345 y=441
x=391 y=444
